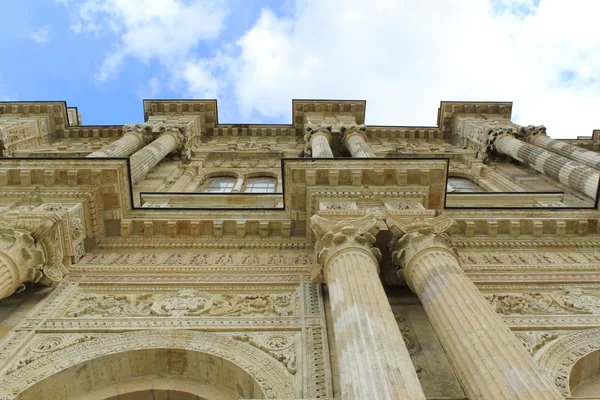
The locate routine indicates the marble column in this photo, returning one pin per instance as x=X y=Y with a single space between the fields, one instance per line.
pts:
x=21 y=260
x=489 y=360
x=355 y=140
x=133 y=139
x=171 y=139
x=318 y=142
x=373 y=359
x=571 y=173
x=536 y=135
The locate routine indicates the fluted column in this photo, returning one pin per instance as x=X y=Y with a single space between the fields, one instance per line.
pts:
x=355 y=140
x=489 y=360
x=536 y=135
x=147 y=158
x=569 y=172
x=132 y=140
x=373 y=359
x=318 y=142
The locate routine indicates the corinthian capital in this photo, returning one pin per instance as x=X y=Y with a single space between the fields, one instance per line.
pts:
x=334 y=237
x=412 y=238
x=354 y=129
x=144 y=132
x=312 y=130
x=529 y=132
x=45 y=230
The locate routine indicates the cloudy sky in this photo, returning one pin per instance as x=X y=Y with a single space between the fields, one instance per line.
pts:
x=255 y=56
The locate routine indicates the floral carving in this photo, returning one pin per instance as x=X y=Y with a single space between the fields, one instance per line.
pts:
x=569 y=301
x=184 y=303
x=279 y=345
x=533 y=341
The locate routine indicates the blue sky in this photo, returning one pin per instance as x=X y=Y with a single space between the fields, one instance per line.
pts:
x=254 y=56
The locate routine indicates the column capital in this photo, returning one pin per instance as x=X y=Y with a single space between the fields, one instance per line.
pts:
x=530 y=132
x=311 y=131
x=493 y=135
x=350 y=130
x=335 y=237
x=144 y=132
x=413 y=238
x=45 y=230
x=182 y=135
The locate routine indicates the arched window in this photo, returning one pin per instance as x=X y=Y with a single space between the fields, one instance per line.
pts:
x=260 y=185
x=219 y=184
x=462 y=185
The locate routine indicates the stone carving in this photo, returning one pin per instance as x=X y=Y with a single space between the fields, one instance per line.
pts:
x=535 y=340
x=569 y=301
x=312 y=130
x=403 y=205
x=184 y=303
x=412 y=344
x=530 y=131
x=280 y=346
x=197 y=258
x=528 y=258
x=44 y=344
x=334 y=235
x=263 y=368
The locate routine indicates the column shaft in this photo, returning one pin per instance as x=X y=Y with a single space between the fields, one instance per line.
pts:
x=374 y=362
x=148 y=157
x=489 y=360
x=569 y=172
x=356 y=145
x=320 y=146
x=589 y=158
x=124 y=147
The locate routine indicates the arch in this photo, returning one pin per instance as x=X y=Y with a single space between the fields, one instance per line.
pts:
x=181 y=354
x=558 y=359
x=584 y=378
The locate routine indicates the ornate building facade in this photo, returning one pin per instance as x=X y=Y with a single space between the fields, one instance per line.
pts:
x=187 y=259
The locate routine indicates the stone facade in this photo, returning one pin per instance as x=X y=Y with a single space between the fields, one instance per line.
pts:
x=186 y=259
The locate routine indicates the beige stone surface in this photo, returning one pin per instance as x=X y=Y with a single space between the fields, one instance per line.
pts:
x=139 y=285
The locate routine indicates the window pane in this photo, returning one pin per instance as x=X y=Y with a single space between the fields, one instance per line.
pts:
x=219 y=184
x=260 y=185
x=462 y=185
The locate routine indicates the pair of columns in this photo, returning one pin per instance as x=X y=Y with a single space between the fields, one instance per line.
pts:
x=354 y=138
x=489 y=360
x=575 y=167
x=145 y=153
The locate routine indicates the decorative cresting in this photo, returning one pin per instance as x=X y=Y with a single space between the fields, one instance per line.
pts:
x=537 y=136
x=270 y=375
x=489 y=360
x=557 y=360
x=355 y=140
x=318 y=141
x=374 y=362
x=31 y=250
x=134 y=138
x=171 y=138
x=564 y=170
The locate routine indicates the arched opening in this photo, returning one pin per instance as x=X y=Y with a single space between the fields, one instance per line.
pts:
x=208 y=365
x=135 y=374
x=584 y=379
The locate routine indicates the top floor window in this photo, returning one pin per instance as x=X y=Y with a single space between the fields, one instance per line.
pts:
x=462 y=185
x=219 y=184
x=260 y=185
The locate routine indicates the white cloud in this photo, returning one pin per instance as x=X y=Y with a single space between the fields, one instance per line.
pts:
x=165 y=30
x=403 y=57
x=40 y=35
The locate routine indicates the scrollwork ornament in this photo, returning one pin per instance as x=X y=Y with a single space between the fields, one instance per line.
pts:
x=333 y=236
